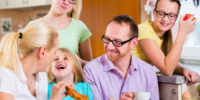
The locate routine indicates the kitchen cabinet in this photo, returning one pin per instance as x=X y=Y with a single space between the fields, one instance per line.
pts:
x=32 y=3
x=12 y=4
x=172 y=87
x=175 y=91
x=169 y=91
x=3 y=3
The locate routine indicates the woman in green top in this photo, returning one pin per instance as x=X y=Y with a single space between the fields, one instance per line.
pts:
x=155 y=40
x=73 y=33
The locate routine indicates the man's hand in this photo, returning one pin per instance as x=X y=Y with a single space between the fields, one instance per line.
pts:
x=127 y=96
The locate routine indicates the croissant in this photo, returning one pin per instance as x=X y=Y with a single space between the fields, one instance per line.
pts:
x=75 y=94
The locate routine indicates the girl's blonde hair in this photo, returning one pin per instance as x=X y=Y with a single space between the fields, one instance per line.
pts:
x=76 y=10
x=77 y=68
x=13 y=46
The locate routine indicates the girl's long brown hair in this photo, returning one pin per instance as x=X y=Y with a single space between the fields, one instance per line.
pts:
x=167 y=38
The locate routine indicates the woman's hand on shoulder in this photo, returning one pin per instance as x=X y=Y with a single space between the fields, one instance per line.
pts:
x=57 y=90
x=187 y=26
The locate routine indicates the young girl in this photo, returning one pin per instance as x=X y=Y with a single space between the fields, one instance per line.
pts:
x=66 y=67
x=73 y=33
x=155 y=40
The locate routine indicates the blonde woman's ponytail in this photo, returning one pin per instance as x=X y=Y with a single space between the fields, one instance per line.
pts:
x=9 y=54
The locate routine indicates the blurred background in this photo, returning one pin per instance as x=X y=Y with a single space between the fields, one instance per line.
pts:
x=95 y=14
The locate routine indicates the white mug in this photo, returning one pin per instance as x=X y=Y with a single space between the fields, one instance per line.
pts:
x=142 y=96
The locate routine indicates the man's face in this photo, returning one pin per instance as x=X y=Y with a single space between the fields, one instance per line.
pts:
x=118 y=32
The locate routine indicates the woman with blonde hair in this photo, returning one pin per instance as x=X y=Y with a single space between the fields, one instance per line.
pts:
x=73 y=33
x=24 y=58
x=66 y=67
x=155 y=40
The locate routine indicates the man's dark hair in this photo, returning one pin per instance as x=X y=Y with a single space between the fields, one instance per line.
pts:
x=127 y=19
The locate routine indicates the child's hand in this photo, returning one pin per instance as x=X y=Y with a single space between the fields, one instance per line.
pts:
x=57 y=90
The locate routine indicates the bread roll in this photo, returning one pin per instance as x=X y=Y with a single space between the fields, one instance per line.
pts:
x=75 y=94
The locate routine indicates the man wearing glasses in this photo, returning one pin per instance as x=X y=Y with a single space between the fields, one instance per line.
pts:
x=118 y=74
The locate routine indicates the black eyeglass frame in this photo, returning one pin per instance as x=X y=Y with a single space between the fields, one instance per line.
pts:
x=165 y=15
x=113 y=41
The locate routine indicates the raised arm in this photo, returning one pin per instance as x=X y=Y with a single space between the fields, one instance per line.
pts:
x=167 y=63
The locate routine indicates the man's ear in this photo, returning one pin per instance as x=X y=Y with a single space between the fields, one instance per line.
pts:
x=42 y=51
x=134 y=42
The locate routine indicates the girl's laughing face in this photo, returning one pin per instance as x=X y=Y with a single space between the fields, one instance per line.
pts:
x=62 y=65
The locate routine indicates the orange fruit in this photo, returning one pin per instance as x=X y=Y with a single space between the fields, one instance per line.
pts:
x=187 y=16
x=186 y=96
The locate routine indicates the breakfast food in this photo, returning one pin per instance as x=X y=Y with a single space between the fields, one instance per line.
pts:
x=75 y=94
x=186 y=96
x=187 y=16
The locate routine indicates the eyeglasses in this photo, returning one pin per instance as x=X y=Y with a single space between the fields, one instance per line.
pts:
x=114 y=42
x=162 y=14
x=71 y=1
